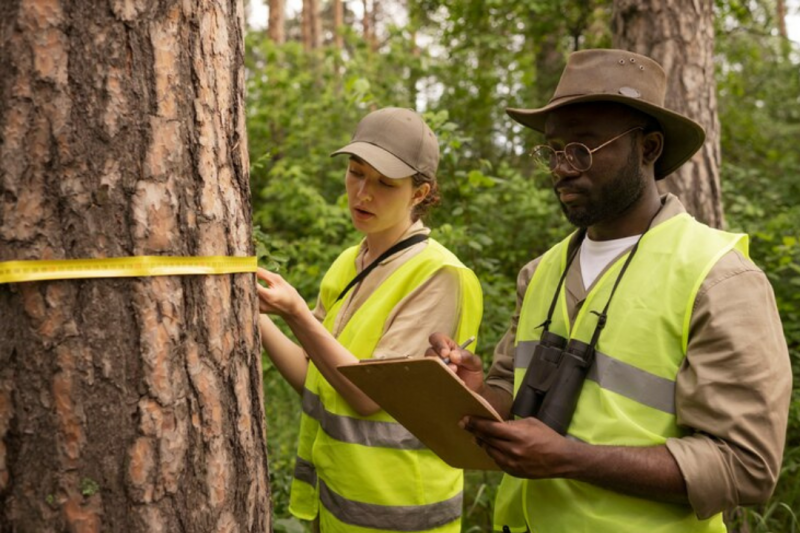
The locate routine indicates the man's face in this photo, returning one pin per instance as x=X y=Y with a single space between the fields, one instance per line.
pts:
x=615 y=182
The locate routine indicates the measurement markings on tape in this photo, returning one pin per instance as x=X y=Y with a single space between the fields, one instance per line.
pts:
x=123 y=267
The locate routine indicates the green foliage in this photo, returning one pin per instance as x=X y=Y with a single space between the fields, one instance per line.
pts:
x=463 y=63
x=758 y=88
x=89 y=486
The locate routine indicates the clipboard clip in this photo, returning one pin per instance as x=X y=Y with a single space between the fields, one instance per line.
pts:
x=384 y=359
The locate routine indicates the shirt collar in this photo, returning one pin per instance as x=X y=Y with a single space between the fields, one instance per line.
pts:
x=417 y=228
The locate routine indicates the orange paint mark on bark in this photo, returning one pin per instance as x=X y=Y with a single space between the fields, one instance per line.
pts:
x=80 y=519
x=140 y=469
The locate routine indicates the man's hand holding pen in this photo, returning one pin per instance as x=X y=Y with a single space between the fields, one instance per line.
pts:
x=463 y=363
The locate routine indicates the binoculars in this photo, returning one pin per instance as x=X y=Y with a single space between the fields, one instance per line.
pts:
x=553 y=381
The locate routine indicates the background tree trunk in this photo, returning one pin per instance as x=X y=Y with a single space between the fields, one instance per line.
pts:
x=316 y=24
x=130 y=404
x=679 y=34
x=366 y=24
x=306 y=26
x=277 y=21
x=338 y=23
x=311 y=25
x=780 y=13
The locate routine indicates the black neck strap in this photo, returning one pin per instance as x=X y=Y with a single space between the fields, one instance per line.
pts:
x=602 y=317
x=402 y=245
x=546 y=324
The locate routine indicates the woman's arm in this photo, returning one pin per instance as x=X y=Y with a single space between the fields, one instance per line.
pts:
x=288 y=357
x=324 y=350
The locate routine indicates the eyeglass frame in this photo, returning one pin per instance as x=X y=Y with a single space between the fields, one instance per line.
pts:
x=563 y=153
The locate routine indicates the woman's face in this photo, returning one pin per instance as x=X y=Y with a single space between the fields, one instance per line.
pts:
x=377 y=203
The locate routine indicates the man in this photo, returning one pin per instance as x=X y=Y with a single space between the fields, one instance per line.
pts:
x=684 y=410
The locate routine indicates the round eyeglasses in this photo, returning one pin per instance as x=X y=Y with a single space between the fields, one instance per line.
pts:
x=577 y=155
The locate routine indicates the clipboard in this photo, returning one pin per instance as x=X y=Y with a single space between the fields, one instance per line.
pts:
x=423 y=395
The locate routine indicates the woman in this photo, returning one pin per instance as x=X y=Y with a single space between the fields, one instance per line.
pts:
x=356 y=468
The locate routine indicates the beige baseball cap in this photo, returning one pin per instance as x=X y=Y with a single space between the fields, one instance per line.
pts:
x=396 y=142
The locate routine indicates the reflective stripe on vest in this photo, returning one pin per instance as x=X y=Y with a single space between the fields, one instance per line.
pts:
x=406 y=518
x=369 y=473
x=359 y=430
x=616 y=376
x=628 y=398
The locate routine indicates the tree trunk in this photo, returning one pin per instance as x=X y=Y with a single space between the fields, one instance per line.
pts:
x=316 y=24
x=277 y=21
x=338 y=23
x=128 y=404
x=679 y=34
x=306 y=25
x=366 y=24
x=311 y=25
x=781 y=16
x=374 y=15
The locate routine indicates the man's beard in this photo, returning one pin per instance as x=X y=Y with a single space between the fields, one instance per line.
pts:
x=613 y=199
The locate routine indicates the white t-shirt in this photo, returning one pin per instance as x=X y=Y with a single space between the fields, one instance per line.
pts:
x=595 y=255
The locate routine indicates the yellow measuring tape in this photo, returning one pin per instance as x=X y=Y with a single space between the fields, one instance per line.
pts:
x=123 y=267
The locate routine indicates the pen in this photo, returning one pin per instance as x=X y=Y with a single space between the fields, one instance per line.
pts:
x=463 y=345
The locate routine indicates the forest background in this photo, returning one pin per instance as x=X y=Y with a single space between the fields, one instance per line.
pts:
x=462 y=63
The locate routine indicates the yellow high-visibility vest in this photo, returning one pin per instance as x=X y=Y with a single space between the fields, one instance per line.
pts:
x=628 y=398
x=369 y=473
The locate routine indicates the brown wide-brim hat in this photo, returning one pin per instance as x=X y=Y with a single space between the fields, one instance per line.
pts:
x=626 y=78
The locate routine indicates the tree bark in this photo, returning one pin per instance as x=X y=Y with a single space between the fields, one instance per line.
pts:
x=316 y=23
x=338 y=23
x=277 y=21
x=366 y=24
x=780 y=9
x=128 y=404
x=374 y=15
x=311 y=25
x=679 y=34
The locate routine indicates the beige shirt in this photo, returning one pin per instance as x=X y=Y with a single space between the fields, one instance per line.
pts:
x=433 y=306
x=732 y=390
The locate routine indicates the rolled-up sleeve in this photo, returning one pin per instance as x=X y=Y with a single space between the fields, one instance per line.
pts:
x=501 y=373
x=434 y=306
x=732 y=391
